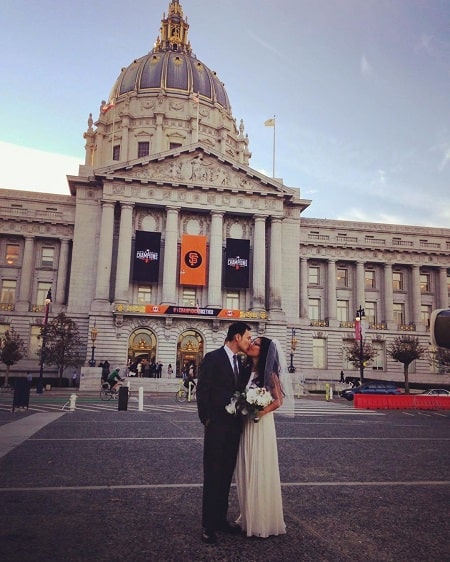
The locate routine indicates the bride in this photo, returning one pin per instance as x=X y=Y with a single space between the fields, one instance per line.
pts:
x=257 y=471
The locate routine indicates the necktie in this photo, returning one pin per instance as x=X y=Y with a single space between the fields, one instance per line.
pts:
x=235 y=368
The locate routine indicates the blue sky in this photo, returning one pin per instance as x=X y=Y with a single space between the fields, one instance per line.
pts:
x=360 y=90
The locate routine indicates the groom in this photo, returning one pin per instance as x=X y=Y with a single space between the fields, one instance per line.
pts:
x=220 y=376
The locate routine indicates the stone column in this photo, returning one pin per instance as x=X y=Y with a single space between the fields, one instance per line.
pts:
x=259 y=264
x=331 y=297
x=124 y=144
x=124 y=253
x=62 y=272
x=105 y=252
x=388 y=296
x=215 y=261
x=443 y=288
x=416 y=296
x=26 y=275
x=159 y=118
x=276 y=266
x=170 y=257
x=360 y=284
x=304 y=288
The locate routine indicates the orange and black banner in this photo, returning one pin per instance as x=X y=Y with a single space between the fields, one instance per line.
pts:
x=237 y=260
x=146 y=256
x=193 y=260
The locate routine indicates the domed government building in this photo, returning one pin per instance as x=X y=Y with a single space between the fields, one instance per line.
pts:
x=168 y=234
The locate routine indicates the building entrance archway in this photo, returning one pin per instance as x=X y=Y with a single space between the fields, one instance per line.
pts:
x=190 y=348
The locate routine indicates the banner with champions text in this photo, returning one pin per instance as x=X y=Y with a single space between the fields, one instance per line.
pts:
x=237 y=260
x=193 y=260
x=147 y=250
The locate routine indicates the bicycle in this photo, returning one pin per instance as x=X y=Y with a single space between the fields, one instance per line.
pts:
x=182 y=393
x=107 y=393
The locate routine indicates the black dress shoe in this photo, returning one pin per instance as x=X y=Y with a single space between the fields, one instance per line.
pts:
x=209 y=537
x=230 y=528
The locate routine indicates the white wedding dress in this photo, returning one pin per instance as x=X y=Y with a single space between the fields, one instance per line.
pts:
x=258 y=479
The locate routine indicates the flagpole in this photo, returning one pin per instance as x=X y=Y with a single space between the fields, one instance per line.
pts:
x=273 y=163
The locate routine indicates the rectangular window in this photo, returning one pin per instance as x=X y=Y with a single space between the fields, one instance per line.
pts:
x=313 y=275
x=12 y=254
x=318 y=353
x=174 y=145
x=370 y=309
x=397 y=281
x=42 y=292
x=189 y=297
x=143 y=149
x=232 y=301
x=35 y=342
x=8 y=295
x=369 y=279
x=425 y=314
x=378 y=360
x=342 y=277
x=144 y=295
x=116 y=152
x=399 y=313
x=47 y=257
x=342 y=311
x=425 y=283
x=314 y=309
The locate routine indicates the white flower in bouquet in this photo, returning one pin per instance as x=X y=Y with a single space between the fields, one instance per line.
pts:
x=257 y=398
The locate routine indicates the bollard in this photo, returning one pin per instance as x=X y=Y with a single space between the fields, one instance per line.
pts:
x=141 y=399
x=327 y=391
x=73 y=401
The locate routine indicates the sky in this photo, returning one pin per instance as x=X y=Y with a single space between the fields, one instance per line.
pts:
x=360 y=90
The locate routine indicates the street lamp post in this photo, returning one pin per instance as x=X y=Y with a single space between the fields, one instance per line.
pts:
x=40 y=384
x=360 y=314
x=94 y=334
x=291 y=367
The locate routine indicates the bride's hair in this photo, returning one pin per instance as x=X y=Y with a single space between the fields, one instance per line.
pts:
x=262 y=366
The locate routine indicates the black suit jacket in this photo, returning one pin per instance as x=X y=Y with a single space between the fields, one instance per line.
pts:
x=216 y=386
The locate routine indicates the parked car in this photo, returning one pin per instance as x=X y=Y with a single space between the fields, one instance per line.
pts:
x=436 y=392
x=371 y=388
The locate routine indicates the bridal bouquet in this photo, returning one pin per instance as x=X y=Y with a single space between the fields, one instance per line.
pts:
x=250 y=402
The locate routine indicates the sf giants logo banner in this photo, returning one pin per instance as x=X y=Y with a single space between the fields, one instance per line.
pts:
x=237 y=257
x=193 y=260
x=146 y=256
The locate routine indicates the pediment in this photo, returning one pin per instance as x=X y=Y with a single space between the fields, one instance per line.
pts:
x=195 y=166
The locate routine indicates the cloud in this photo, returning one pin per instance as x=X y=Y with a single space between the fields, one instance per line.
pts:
x=367 y=70
x=264 y=44
x=35 y=170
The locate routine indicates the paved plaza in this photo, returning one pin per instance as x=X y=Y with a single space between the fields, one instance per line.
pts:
x=104 y=485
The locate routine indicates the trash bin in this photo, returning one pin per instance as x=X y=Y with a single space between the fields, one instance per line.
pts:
x=123 y=398
x=21 y=396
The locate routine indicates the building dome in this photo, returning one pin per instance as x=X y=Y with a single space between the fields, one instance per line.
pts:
x=163 y=100
x=175 y=72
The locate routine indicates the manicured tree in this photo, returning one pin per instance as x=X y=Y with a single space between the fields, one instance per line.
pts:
x=405 y=349
x=441 y=359
x=360 y=357
x=12 y=349
x=63 y=345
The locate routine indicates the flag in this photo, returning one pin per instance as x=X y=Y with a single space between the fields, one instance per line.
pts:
x=107 y=106
x=196 y=98
x=270 y=122
x=193 y=260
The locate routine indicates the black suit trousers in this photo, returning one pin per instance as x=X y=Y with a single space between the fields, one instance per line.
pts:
x=221 y=447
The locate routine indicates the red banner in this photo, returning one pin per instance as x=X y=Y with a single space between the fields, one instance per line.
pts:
x=193 y=260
